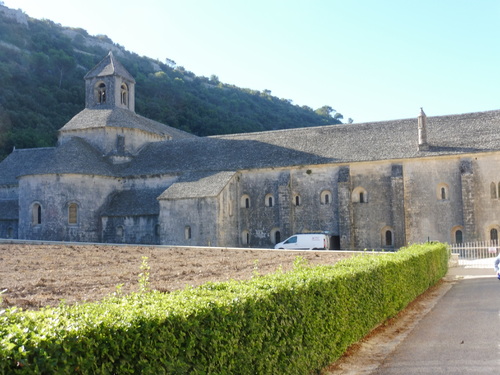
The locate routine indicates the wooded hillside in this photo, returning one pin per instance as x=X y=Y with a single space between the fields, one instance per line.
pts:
x=42 y=66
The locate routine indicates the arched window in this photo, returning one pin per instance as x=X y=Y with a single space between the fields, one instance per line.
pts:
x=269 y=200
x=187 y=232
x=457 y=234
x=275 y=236
x=359 y=195
x=245 y=201
x=124 y=94
x=442 y=193
x=10 y=232
x=36 y=214
x=157 y=230
x=493 y=190
x=101 y=93
x=73 y=213
x=493 y=234
x=326 y=197
x=296 y=200
x=387 y=235
x=388 y=238
x=245 y=237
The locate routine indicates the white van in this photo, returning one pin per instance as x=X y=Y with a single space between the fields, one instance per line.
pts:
x=306 y=241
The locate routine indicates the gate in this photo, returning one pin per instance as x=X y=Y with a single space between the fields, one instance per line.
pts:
x=476 y=254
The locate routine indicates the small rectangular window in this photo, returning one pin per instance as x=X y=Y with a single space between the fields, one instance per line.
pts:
x=73 y=213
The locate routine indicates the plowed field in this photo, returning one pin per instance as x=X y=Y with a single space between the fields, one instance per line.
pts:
x=35 y=276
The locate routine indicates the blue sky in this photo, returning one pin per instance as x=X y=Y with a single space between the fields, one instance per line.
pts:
x=369 y=60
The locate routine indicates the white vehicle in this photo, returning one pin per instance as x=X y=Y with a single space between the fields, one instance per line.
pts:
x=306 y=241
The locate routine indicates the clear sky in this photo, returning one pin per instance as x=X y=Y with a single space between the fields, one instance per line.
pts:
x=370 y=60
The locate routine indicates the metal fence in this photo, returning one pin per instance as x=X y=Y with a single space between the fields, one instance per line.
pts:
x=476 y=254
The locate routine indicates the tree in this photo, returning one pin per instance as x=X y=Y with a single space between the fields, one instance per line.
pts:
x=325 y=111
x=214 y=79
x=5 y=126
x=62 y=62
x=39 y=62
x=170 y=63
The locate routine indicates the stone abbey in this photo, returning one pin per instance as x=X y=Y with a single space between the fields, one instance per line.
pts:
x=117 y=177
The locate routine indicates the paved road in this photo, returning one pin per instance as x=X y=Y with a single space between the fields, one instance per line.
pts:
x=460 y=335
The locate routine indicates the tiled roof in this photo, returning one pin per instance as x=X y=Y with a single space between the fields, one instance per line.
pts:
x=447 y=135
x=134 y=203
x=74 y=156
x=198 y=185
x=456 y=134
x=109 y=66
x=22 y=161
x=342 y=144
x=120 y=118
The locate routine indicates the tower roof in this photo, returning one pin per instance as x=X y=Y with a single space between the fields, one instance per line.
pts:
x=120 y=118
x=109 y=66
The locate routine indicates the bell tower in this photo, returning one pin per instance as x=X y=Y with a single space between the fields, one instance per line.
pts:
x=109 y=85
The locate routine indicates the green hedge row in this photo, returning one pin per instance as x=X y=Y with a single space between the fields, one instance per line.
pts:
x=285 y=323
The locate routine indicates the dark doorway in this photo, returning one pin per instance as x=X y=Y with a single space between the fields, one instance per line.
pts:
x=335 y=243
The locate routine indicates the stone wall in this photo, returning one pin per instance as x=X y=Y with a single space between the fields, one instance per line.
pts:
x=8 y=228
x=258 y=218
x=404 y=202
x=54 y=193
x=105 y=140
x=430 y=215
x=189 y=222
x=227 y=216
x=481 y=209
x=412 y=200
x=131 y=229
x=298 y=204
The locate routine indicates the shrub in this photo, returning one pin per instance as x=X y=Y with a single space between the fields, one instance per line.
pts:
x=283 y=323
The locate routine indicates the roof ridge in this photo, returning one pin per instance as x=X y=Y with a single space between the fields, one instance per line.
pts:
x=346 y=126
x=33 y=149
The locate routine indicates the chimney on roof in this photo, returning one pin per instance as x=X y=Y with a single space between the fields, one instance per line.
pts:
x=422 y=131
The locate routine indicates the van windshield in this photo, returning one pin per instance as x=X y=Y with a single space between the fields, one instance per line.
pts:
x=292 y=240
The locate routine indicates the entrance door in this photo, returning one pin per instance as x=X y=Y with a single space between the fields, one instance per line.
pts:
x=335 y=243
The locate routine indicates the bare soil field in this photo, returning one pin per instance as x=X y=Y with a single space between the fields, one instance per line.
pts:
x=35 y=276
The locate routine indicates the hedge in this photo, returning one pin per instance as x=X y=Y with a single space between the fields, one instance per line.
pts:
x=284 y=323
